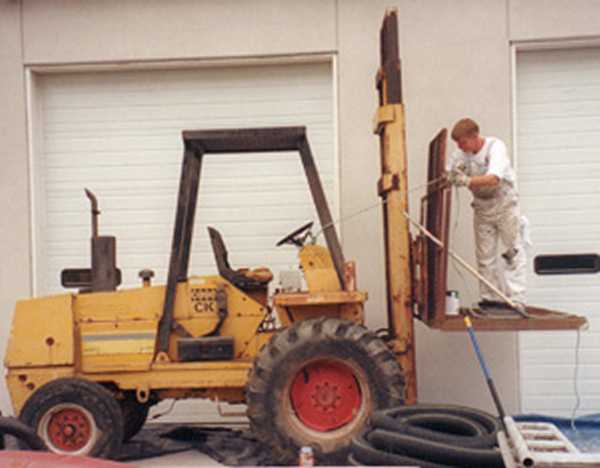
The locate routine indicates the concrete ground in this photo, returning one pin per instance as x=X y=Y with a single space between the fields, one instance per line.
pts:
x=201 y=411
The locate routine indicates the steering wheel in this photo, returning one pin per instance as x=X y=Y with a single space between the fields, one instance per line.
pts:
x=294 y=237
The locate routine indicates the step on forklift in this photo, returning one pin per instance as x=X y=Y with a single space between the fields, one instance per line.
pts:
x=84 y=368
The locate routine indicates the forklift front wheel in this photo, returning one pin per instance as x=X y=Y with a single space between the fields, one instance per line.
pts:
x=317 y=383
x=75 y=417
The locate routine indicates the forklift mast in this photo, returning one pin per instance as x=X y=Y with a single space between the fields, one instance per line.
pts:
x=392 y=188
x=198 y=143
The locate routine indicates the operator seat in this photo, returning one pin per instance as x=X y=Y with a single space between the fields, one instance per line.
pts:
x=244 y=278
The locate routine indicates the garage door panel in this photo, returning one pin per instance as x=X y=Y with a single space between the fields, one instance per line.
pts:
x=564 y=372
x=563 y=406
x=560 y=356
x=569 y=109
x=563 y=95
x=562 y=172
x=204 y=261
x=560 y=141
x=553 y=156
x=135 y=216
x=565 y=219
x=572 y=202
x=242 y=80
x=584 y=179
x=556 y=387
x=210 y=200
x=574 y=123
x=94 y=119
x=565 y=341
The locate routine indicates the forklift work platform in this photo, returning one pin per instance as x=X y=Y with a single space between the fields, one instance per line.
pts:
x=431 y=264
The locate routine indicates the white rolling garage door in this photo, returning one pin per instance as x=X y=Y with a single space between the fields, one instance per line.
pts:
x=119 y=134
x=558 y=122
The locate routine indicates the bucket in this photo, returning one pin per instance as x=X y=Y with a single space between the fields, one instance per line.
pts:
x=452 y=303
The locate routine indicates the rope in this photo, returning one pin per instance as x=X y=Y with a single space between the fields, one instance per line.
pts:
x=371 y=207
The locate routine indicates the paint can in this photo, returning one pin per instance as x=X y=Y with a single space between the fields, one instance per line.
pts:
x=306 y=457
x=452 y=303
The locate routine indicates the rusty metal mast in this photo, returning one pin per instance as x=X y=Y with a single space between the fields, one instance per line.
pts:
x=392 y=188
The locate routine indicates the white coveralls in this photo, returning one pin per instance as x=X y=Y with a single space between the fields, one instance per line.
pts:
x=496 y=216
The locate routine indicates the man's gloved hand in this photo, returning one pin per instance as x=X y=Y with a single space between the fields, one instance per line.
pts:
x=458 y=178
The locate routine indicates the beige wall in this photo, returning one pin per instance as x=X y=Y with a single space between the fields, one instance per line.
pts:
x=15 y=271
x=456 y=62
x=535 y=20
x=67 y=31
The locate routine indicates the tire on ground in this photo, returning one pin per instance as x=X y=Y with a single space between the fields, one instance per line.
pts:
x=302 y=381
x=75 y=417
x=134 y=416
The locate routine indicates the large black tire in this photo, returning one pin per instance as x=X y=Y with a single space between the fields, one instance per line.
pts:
x=317 y=383
x=75 y=417
x=134 y=416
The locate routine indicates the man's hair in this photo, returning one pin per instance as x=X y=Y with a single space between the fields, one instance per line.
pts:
x=465 y=128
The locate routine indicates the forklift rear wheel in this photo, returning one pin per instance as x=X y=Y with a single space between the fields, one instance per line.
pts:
x=134 y=417
x=316 y=383
x=75 y=417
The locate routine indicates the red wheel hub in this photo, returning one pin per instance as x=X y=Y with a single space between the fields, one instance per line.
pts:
x=325 y=395
x=69 y=429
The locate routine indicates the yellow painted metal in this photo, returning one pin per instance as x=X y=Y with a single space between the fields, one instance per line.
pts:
x=41 y=333
x=118 y=329
x=318 y=268
x=393 y=190
x=121 y=306
x=222 y=395
x=224 y=379
x=196 y=308
x=256 y=344
x=22 y=382
x=185 y=375
x=292 y=307
x=383 y=115
x=320 y=298
x=122 y=346
x=243 y=317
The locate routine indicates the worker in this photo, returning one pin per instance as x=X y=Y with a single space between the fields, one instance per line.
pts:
x=482 y=165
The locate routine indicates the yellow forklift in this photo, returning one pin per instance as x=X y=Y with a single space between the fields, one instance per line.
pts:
x=83 y=369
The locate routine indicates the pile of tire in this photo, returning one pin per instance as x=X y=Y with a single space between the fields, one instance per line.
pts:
x=428 y=436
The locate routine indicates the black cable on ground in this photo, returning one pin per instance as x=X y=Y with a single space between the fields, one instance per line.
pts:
x=467 y=427
x=431 y=436
x=363 y=452
x=438 y=452
x=16 y=428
